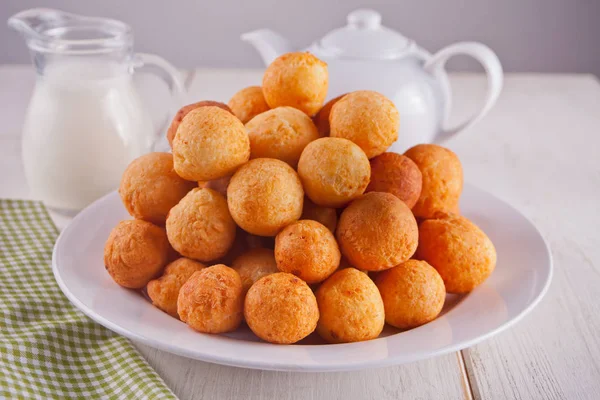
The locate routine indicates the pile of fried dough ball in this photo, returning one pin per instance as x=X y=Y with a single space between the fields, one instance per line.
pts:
x=288 y=214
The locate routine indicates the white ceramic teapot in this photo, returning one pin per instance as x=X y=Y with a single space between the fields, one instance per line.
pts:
x=366 y=55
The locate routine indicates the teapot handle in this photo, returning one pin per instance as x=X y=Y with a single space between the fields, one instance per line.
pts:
x=171 y=76
x=488 y=59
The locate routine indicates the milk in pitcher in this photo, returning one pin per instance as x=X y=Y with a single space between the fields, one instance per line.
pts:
x=84 y=125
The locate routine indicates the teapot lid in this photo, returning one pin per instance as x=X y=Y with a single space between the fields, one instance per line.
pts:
x=363 y=37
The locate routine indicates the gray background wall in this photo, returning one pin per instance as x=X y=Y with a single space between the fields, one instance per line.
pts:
x=528 y=35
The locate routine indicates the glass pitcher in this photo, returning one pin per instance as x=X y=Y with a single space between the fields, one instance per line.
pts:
x=86 y=121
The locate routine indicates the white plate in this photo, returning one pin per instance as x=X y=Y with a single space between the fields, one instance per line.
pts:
x=521 y=278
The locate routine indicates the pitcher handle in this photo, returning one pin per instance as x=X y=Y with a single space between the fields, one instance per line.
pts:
x=488 y=59
x=171 y=76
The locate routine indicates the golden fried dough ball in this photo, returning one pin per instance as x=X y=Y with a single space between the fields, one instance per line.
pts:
x=413 y=294
x=212 y=300
x=298 y=80
x=183 y=111
x=367 y=118
x=264 y=196
x=350 y=308
x=281 y=308
x=150 y=187
x=460 y=251
x=325 y=215
x=321 y=119
x=442 y=179
x=308 y=250
x=377 y=231
x=398 y=175
x=254 y=264
x=164 y=291
x=210 y=143
x=334 y=171
x=220 y=185
x=200 y=226
x=281 y=133
x=248 y=103
x=136 y=251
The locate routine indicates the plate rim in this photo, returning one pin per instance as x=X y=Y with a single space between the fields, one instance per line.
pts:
x=287 y=366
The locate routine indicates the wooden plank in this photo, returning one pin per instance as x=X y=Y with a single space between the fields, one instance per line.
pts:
x=437 y=378
x=538 y=149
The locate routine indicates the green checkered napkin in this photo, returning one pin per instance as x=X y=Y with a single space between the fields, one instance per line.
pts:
x=49 y=349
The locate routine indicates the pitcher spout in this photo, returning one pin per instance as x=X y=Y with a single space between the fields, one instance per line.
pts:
x=55 y=31
x=269 y=44
x=32 y=23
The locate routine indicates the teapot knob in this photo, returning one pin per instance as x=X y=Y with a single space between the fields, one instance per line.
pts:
x=364 y=19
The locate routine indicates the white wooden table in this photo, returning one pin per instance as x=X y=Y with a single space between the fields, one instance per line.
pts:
x=539 y=149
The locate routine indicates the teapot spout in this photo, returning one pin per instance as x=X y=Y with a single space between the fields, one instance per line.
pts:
x=269 y=44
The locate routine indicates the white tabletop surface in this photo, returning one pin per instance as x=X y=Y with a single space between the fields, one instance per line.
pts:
x=538 y=149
